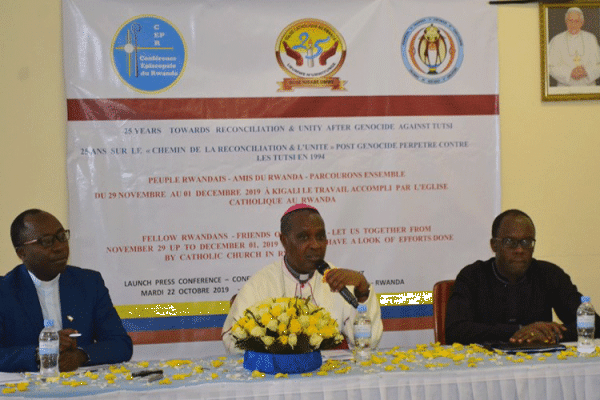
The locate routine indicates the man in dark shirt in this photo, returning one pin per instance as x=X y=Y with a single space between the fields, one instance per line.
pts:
x=511 y=297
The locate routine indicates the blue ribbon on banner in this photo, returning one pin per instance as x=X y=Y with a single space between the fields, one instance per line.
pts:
x=270 y=363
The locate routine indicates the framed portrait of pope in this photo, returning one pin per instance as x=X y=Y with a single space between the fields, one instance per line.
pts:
x=569 y=38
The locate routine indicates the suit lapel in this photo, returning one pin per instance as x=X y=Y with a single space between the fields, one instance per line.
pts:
x=29 y=301
x=67 y=286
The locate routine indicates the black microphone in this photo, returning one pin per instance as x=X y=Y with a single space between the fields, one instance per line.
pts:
x=346 y=294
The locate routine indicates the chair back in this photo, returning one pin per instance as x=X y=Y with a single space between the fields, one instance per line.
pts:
x=441 y=293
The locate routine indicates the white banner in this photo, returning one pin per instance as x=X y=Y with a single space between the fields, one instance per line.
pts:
x=193 y=126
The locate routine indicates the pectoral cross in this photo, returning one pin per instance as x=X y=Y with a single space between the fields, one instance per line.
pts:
x=577 y=59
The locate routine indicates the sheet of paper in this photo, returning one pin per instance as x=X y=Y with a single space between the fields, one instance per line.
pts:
x=10 y=377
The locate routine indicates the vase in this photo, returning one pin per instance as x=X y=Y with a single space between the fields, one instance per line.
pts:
x=270 y=363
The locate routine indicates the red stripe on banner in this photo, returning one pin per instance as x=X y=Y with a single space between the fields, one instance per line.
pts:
x=279 y=107
x=176 y=336
x=407 y=324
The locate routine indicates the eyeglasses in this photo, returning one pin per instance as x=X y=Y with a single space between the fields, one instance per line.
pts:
x=511 y=243
x=48 y=240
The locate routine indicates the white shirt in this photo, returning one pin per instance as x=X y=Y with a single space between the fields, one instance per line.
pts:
x=49 y=297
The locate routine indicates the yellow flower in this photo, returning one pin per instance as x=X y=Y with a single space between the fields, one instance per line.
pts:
x=311 y=330
x=427 y=354
x=239 y=332
x=257 y=374
x=268 y=340
x=257 y=331
x=327 y=331
x=378 y=360
x=93 y=377
x=272 y=325
x=276 y=310
x=295 y=326
x=287 y=321
x=342 y=370
x=304 y=321
x=323 y=322
x=282 y=328
x=284 y=319
x=177 y=363
x=315 y=341
x=114 y=369
x=293 y=339
x=251 y=324
x=314 y=319
x=266 y=318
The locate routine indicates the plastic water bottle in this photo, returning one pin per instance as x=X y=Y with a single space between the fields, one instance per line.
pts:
x=49 y=347
x=586 y=318
x=362 y=335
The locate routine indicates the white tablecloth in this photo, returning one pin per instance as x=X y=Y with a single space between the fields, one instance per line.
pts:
x=493 y=377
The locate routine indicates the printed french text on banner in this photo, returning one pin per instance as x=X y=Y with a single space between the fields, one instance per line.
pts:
x=192 y=126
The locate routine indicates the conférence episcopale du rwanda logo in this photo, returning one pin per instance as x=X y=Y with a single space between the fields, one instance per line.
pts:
x=432 y=50
x=149 y=54
x=310 y=51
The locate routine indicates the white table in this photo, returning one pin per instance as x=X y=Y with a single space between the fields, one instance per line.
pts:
x=494 y=377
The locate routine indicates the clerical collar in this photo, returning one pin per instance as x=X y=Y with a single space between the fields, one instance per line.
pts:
x=302 y=278
x=38 y=283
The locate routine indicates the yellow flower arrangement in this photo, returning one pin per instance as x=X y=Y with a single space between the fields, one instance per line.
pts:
x=286 y=326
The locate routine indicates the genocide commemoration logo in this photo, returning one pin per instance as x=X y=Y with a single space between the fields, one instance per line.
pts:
x=148 y=54
x=432 y=50
x=310 y=51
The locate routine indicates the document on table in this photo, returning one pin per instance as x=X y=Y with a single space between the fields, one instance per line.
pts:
x=512 y=348
x=11 y=377
x=342 y=355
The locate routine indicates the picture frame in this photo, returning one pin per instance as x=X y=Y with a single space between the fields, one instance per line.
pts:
x=570 y=50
